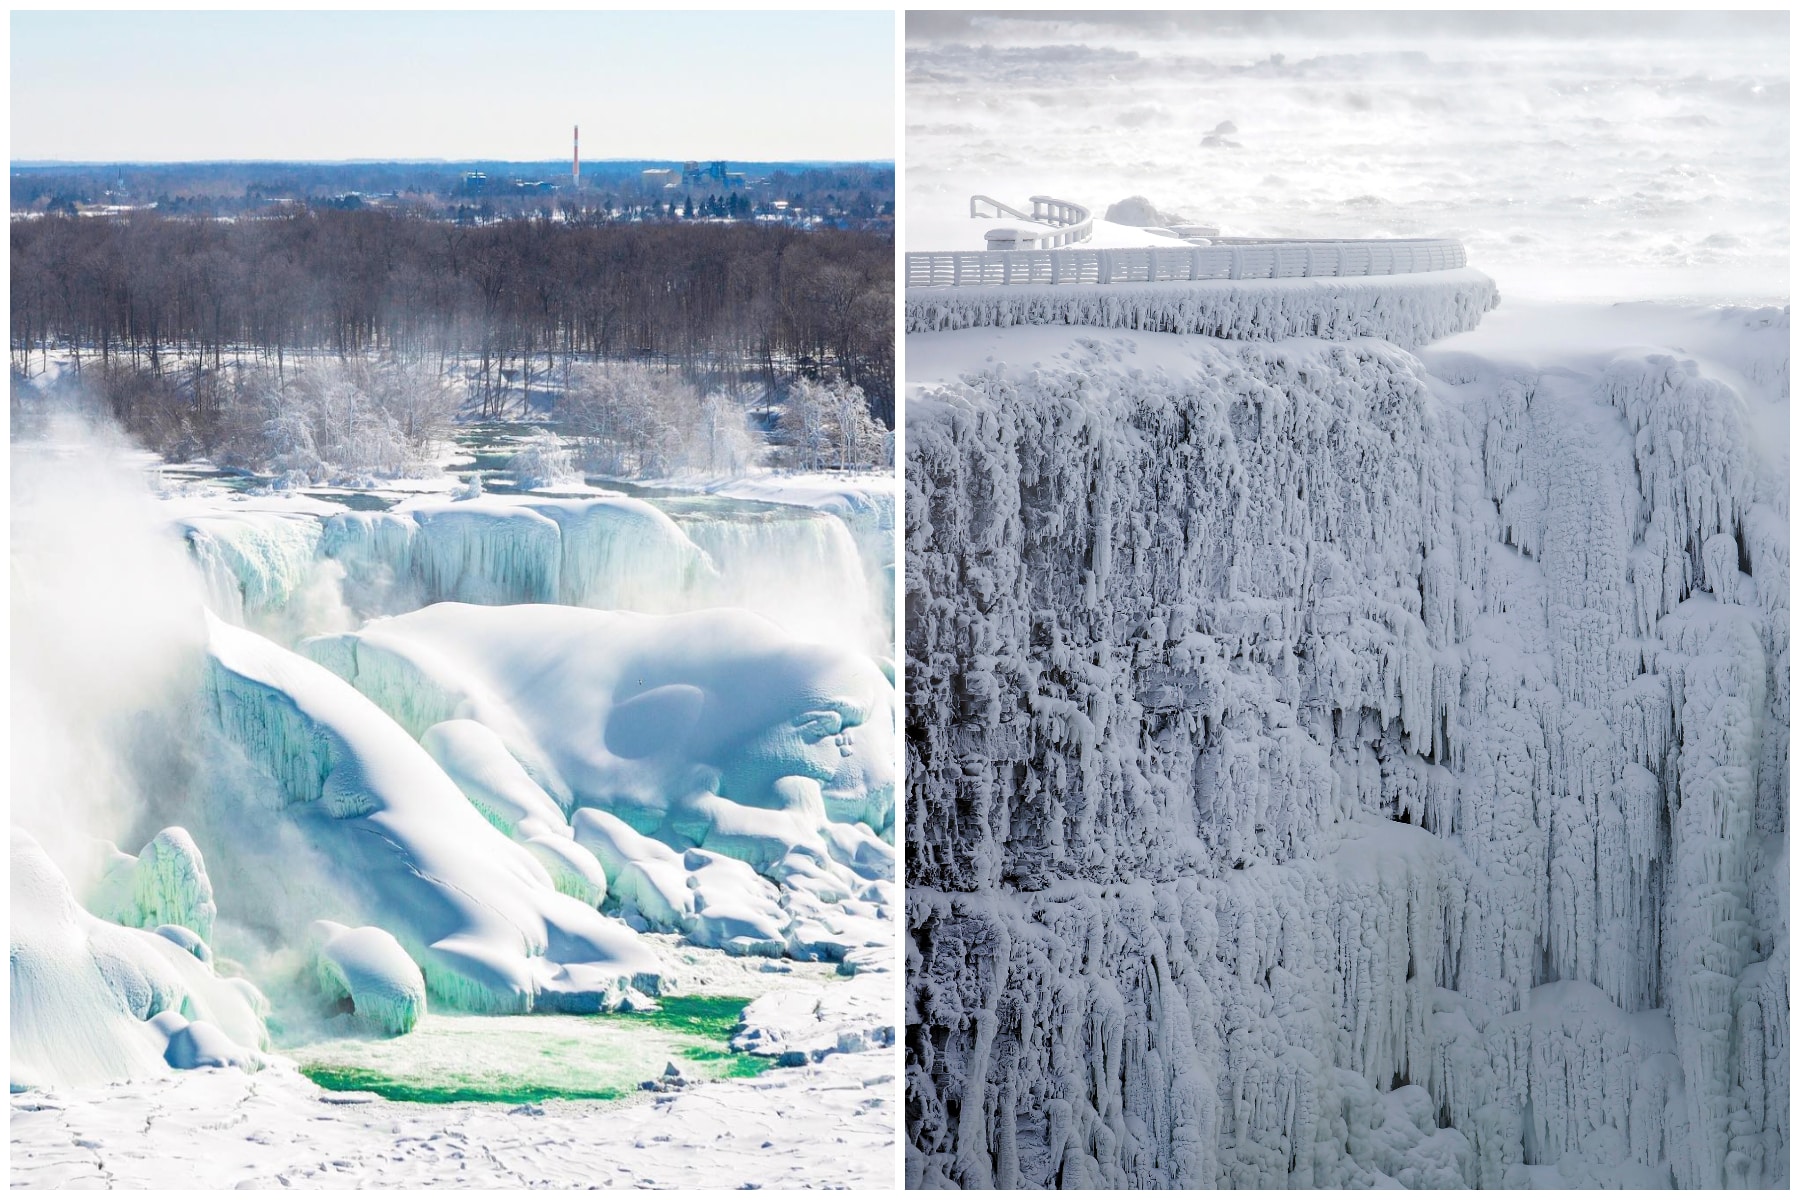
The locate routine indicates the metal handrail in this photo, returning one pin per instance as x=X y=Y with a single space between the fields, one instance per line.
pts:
x=1227 y=258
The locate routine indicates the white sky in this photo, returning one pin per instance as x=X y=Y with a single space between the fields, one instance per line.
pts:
x=174 y=86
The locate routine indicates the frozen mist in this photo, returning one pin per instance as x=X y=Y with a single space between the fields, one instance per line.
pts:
x=1577 y=155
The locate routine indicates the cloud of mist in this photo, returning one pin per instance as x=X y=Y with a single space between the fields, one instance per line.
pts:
x=112 y=735
x=106 y=640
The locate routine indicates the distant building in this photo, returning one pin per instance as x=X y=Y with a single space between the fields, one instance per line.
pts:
x=661 y=177
x=696 y=175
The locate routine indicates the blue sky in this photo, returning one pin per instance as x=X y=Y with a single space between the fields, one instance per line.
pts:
x=172 y=86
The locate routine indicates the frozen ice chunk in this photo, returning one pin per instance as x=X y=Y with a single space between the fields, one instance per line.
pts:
x=170 y=885
x=371 y=970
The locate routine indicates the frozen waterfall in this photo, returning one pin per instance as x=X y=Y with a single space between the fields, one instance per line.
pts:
x=1336 y=767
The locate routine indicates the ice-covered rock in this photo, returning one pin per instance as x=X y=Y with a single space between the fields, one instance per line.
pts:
x=187 y=939
x=1138 y=211
x=165 y=883
x=170 y=885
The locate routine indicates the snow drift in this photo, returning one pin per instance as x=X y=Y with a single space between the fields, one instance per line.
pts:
x=1327 y=772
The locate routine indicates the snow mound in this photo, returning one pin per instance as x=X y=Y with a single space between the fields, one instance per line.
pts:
x=1408 y=310
x=406 y=851
x=732 y=784
x=94 y=1002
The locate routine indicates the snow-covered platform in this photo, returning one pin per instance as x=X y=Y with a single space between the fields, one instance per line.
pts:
x=1408 y=310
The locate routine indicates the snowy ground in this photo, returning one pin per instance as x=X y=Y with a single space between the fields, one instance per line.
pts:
x=223 y=1129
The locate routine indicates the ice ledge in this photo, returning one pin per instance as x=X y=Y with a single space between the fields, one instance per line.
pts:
x=1408 y=310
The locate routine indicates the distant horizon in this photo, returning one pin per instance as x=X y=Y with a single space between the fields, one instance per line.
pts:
x=363 y=161
x=343 y=87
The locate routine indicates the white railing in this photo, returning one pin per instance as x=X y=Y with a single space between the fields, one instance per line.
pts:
x=1226 y=258
x=1072 y=223
x=1001 y=209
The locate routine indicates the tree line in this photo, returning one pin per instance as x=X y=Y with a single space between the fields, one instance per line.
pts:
x=230 y=189
x=513 y=303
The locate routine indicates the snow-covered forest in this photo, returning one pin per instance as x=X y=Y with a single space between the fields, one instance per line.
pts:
x=326 y=347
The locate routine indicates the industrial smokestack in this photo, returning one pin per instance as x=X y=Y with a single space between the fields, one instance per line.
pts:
x=578 y=158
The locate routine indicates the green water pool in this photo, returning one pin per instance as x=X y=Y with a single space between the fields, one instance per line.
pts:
x=524 y=1059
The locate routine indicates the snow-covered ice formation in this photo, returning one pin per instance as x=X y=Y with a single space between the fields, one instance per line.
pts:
x=1408 y=310
x=164 y=885
x=96 y=1002
x=727 y=782
x=370 y=970
x=400 y=847
x=1330 y=766
x=598 y=807
x=301 y=572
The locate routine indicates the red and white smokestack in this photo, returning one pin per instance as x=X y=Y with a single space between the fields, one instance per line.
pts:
x=578 y=156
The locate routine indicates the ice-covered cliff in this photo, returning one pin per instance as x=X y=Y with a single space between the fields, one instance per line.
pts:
x=301 y=572
x=1328 y=768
